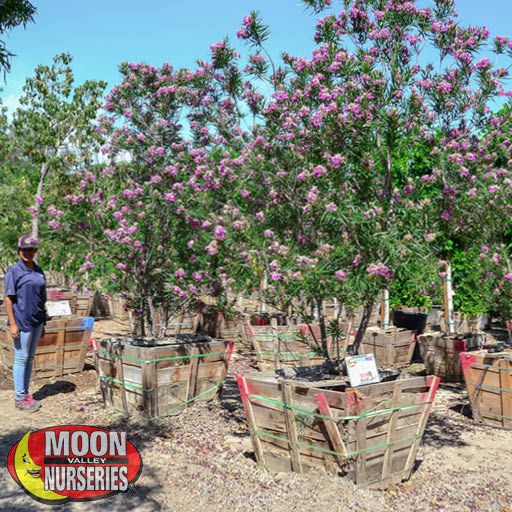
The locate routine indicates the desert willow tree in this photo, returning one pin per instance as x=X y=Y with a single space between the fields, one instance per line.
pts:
x=158 y=204
x=468 y=185
x=493 y=258
x=54 y=127
x=330 y=170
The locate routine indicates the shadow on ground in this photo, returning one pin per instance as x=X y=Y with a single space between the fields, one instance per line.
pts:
x=54 y=388
x=444 y=431
x=230 y=401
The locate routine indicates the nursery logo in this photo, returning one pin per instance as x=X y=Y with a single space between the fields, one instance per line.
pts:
x=59 y=464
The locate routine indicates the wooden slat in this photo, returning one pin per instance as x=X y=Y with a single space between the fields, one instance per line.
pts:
x=151 y=385
x=276 y=345
x=360 y=433
x=506 y=398
x=429 y=399
x=226 y=360
x=291 y=426
x=388 y=454
x=59 y=353
x=331 y=428
x=194 y=362
x=85 y=346
x=256 y=442
x=120 y=376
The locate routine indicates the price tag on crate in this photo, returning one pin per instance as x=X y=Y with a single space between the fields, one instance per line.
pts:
x=362 y=370
x=58 y=308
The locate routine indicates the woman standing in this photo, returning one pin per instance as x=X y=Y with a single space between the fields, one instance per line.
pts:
x=25 y=297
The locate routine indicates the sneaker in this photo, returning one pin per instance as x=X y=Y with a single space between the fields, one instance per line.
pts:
x=27 y=403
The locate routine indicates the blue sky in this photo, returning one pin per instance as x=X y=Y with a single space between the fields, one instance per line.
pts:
x=102 y=34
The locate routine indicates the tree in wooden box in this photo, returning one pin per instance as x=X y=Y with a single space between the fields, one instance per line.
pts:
x=62 y=349
x=182 y=323
x=279 y=346
x=489 y=383
x=83 y=304
x=393 y=347
x=369 y=434
x=440 y=353
x=158 y=378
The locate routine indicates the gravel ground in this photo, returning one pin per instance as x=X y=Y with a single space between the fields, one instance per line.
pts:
x=203 y=459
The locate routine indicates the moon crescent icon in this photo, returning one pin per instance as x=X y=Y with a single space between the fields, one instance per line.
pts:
x=28 y=473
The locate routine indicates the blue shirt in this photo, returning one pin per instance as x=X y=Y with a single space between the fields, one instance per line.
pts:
x=27 y=289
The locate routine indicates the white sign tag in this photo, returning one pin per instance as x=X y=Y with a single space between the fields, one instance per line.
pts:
x=58 y=308
x=362 y=370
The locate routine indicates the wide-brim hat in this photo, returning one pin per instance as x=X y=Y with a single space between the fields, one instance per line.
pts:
x=28 y=242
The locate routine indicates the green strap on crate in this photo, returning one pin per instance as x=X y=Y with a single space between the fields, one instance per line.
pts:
x=216 y=386
x=499 y=368
x=108 y=378
x=497 y=416
x=354 y=453
x=343 y=418
x=158 y=359
x=479 y=385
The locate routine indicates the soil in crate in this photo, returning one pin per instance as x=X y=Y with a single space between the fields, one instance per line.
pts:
x=321 y=374
x=154 y=378
x=369 y=434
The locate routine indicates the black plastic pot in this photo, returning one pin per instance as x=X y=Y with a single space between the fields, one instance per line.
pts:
x=410 y=321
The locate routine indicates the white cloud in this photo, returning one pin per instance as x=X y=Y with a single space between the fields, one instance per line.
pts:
x=12 y=102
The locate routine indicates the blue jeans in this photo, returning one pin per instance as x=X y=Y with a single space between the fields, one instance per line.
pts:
x=24 y=350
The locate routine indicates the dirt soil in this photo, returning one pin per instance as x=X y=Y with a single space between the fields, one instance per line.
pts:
x=203 y=459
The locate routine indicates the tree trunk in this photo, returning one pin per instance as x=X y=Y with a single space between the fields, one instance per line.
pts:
x=141 y=319
x=263 y=293
x=337 y=309
x=367 y=313
x=323 y=332
x=448 y=300
x=385 y=308
x=39 y=193
x=153 y=317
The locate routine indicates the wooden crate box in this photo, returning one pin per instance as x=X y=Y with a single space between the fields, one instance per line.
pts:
x=488 y=380
x=231 y=328
x=118 y=308
x=393 y=347
x=440 y=353
x=283 y=346
x=61 y=351
x=369 y=434
x=182 y=323
x=357 y=316
x=83 y=304
x=163 y=379
x=101 y=306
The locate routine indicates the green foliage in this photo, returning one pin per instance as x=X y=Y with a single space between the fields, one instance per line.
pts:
x=15 y=194
x=418 y=285
x=12 y=14
x=54 y=131
x=472 y=282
